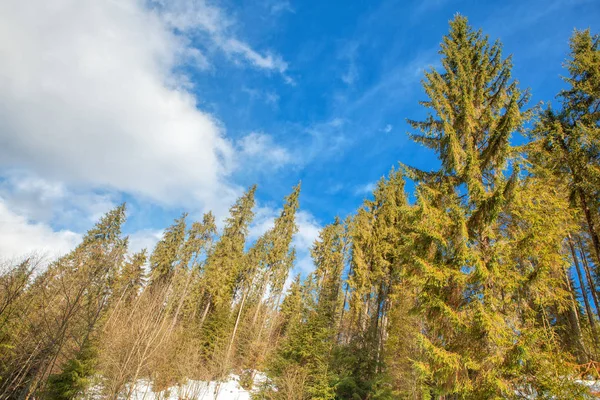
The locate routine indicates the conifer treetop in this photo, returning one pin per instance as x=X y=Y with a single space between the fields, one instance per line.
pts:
x=474 y=108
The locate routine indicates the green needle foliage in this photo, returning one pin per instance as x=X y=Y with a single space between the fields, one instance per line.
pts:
x=75 y=376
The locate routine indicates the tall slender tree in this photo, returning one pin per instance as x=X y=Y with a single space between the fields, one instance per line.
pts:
x=474 y=338
x=307 y=349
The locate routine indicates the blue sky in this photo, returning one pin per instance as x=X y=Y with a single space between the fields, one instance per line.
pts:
x=179 y=105
x=357 y=70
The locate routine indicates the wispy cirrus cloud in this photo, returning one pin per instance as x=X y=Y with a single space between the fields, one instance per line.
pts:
x=349 y=54
x=259 y=149
x=193 y=17
x=365 y=189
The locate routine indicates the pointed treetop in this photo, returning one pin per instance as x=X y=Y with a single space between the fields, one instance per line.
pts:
x=474 y=108
x=109 y=226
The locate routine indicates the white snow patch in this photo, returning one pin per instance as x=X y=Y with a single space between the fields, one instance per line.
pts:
x=229 y=389
x=594 y=386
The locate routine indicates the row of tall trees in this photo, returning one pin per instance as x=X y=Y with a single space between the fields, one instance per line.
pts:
x=199 y=306
x=485 y=286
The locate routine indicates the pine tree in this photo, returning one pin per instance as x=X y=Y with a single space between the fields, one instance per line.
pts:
x=291 y=307
x=194 y=255
x=378 y=266
x=222 y=267
x=567 y=142
x=220 y=278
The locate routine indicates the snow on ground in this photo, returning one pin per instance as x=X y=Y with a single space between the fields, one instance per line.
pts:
x=594 y=386
x=231 y=390
x=227 y=390
x=194 y=390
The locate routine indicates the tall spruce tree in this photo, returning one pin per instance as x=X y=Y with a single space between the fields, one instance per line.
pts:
x=131 y=278
x=567 y=142
x=64 y=309
x=223 y=265
x=475 y=341
x=166 y=254
x=378 y=265
x=220 y=278
x=301 y=366
x=267 y=266
x=194 y=256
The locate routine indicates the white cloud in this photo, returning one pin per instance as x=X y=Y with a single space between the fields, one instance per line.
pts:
x=190 y=15
x=267 y=61
x=388 y=128
x=278 y=7
x=350 y=76
x=42 y=200
x=144 y=239
x=88 y=96
x=261 y=150
x=20 y=237
x=25 y=198
x=195 y=58
x=92 y=106
x=336 y=122
x=349 y=53
x=269 y=97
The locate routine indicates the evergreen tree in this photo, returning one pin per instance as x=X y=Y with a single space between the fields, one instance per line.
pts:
x=475 y=340
x=265 y=271
x=131 y=278
x=75 y=376
x=194 y=255
x=221 y=273
x=223 y=265
x=567 y=142
x=63 y=309
x=166 y=254
x=378 y=267
x=291 y=307
x=307 y=349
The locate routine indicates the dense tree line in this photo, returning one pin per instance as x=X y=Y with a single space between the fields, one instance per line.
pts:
x=486 y=286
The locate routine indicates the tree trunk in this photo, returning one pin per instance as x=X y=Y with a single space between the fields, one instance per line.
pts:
x=591 y=226
x=584 y=293
x=573 y=317
x=342 y=315
x=235 y=327
x=205 y=313
x=589 y=277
